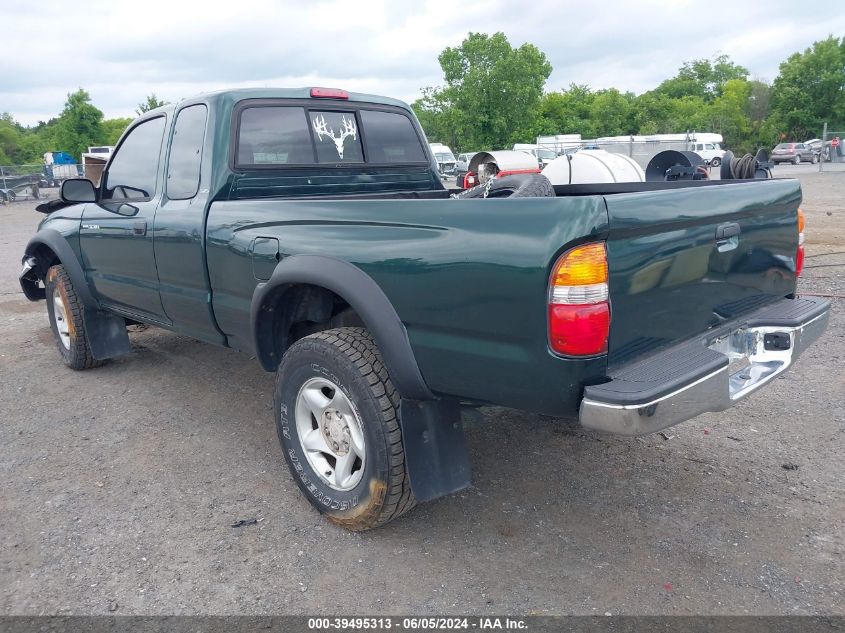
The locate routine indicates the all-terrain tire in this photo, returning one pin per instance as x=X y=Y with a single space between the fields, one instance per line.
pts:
x=347 y=359
x=516 y=186
x=67 y=313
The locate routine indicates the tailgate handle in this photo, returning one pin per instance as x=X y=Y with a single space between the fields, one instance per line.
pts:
x=726 y=231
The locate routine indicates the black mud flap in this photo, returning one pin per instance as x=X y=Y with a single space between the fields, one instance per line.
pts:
x=106 y=334
x=435 y=447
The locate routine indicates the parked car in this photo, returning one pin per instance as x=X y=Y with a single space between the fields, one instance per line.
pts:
x=310 y=229
x=462 y=167
x=815 y=144
x=445 y=159
x=543 y=156
x=794 y=153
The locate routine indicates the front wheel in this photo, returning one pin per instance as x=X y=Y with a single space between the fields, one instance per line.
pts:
x=337 y=416
x=715 y=162
x=67 y=320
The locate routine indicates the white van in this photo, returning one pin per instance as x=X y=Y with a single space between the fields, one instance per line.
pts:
x=444 y=157
x=711 y=152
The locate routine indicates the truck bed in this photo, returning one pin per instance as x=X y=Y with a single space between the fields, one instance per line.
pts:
x=469 y=278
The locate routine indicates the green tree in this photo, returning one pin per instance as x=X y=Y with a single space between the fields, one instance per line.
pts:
x=439 y=119
x=656 y=113
x=152 y=102
x=79 y=125
x=10 y=139
x=492 y=90
x=611 y=113
x=567 y=112
x=703 y=78
x=729 y=115
x=759 y=100
x=113 y=128
x=810 y=90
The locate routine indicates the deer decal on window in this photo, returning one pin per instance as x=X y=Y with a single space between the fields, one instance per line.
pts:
x=349 y=129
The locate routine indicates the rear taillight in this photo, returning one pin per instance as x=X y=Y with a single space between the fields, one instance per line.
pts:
x=579 y=310
x=799 y=255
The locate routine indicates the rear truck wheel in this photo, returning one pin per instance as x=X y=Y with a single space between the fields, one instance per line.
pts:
x=715 y=162
x=337 y=416
x=67 y=320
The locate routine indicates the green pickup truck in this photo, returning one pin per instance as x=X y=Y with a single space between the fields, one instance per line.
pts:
x=310 y=228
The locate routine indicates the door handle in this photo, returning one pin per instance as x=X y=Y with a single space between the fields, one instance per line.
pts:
x=139 y=227
x=727 y=231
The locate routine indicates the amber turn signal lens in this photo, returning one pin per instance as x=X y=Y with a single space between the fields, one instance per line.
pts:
x=581 y=266
x=801 y=220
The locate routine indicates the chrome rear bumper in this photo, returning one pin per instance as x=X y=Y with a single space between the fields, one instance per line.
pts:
x=709 y=374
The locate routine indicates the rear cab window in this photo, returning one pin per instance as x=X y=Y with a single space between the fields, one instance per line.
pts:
x=279 y=134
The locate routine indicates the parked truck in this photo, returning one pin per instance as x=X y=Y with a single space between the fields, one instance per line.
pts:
x=310 y=228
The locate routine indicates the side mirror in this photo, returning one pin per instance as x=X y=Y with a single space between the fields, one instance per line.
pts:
x=78 y=190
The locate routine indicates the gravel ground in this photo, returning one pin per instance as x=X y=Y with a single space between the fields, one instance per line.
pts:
x=121 y=486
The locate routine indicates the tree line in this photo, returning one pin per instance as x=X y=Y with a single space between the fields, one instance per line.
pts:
x=493 y=96
x=79 y=126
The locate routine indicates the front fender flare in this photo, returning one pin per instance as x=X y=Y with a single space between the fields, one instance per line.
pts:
x=57 y=243
x=363 y=294
x=106 y=333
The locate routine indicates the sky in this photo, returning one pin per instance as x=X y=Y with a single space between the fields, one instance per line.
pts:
x=121 y=51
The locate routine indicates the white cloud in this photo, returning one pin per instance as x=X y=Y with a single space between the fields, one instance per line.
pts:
x=121 y=51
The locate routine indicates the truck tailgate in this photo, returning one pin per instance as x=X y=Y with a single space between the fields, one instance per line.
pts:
x=682 y=261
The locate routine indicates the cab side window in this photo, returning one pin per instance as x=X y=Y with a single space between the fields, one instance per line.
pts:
x=133 y=169
x=183 y=169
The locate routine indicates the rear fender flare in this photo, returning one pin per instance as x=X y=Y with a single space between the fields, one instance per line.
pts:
x=362 y=294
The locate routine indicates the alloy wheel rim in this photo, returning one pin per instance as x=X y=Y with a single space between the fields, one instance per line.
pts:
x=60 y=319
x=330 y=433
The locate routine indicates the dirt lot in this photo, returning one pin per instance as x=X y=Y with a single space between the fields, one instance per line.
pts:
x=120 y=486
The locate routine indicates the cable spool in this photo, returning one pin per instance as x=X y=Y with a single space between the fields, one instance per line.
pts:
x=673 y=165
x=725 y=169
x=694 y=159
x=764 y=164
x=747 y=167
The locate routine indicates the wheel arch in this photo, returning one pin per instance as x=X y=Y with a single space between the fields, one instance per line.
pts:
x=354 y=287
x=49 y=247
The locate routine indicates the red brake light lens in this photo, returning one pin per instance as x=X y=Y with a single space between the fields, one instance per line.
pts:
x=329 y=93
x=579 y=330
